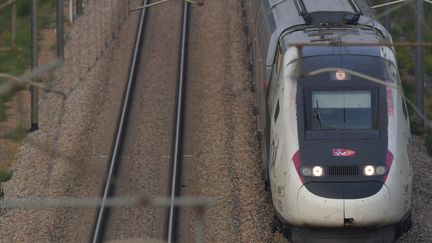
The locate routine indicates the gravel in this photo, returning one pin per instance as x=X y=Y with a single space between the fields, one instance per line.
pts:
x=221 y=154
x=65 y=156
x=422 y=194
x=68 y=155
x=144 y=165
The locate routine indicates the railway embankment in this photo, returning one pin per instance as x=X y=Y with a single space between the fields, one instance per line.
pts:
x=422 y=194
x=66 y=155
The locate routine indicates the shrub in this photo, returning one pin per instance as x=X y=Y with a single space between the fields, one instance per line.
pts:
x=405 y=61
x=3 y=107
x=23 y=8
x=18 y=133
x=5 y=175
x=428 y=63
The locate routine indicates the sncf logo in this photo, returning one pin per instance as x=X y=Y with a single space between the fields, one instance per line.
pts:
x=338 y=152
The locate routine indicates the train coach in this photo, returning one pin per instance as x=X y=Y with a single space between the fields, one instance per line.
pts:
x=334 y=141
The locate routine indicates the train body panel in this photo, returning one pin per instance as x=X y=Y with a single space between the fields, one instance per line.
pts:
x=334 y=145
x=333 y=216
x=361 y=213
x=401 y=174
x=283 y=177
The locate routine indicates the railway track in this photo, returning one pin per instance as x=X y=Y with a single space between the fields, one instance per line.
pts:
x=177 y=153
x=220 y=147
x=120 y=156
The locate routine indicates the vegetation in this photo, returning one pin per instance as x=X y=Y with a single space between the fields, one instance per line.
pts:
x=5 y=175
x=3 y=100
x=16 y=62
x=18 y=133
x=403 y=28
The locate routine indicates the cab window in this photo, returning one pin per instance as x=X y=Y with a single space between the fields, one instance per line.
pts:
x=341 y=110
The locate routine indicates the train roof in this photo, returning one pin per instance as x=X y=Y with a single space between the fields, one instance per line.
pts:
x=289 y=16
x=318 y=36
x=289 y=13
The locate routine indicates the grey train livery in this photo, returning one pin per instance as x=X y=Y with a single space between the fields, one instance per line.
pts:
x=334 y=142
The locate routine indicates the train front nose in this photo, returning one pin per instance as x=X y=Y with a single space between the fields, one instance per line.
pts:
x=342 y=204
x=319 y=211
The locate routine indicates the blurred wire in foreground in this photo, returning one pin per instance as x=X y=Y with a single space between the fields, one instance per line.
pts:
x=199 y=203
x=28 y=79
x=116 y=202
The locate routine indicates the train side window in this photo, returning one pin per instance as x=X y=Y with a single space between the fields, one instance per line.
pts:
x=276 y=115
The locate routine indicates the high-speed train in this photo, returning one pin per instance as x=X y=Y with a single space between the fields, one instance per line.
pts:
x=334 y=139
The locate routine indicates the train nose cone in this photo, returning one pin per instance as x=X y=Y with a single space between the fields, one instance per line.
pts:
x=369 y=211
x=320 y=211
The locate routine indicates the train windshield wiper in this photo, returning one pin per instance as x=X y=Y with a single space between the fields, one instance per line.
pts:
x=317 y=116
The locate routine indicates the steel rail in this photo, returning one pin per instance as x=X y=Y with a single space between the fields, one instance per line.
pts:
x=177 y=152
x=121 y=127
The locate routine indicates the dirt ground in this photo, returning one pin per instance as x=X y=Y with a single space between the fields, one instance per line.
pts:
x=18 y=108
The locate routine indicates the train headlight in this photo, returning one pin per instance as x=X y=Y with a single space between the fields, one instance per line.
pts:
x=306 y=171
x=381 y=170
x=369 y=170
x=317 y=171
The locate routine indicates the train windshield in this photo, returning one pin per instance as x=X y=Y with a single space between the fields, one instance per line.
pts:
x=343 y=105
x=338 y=110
